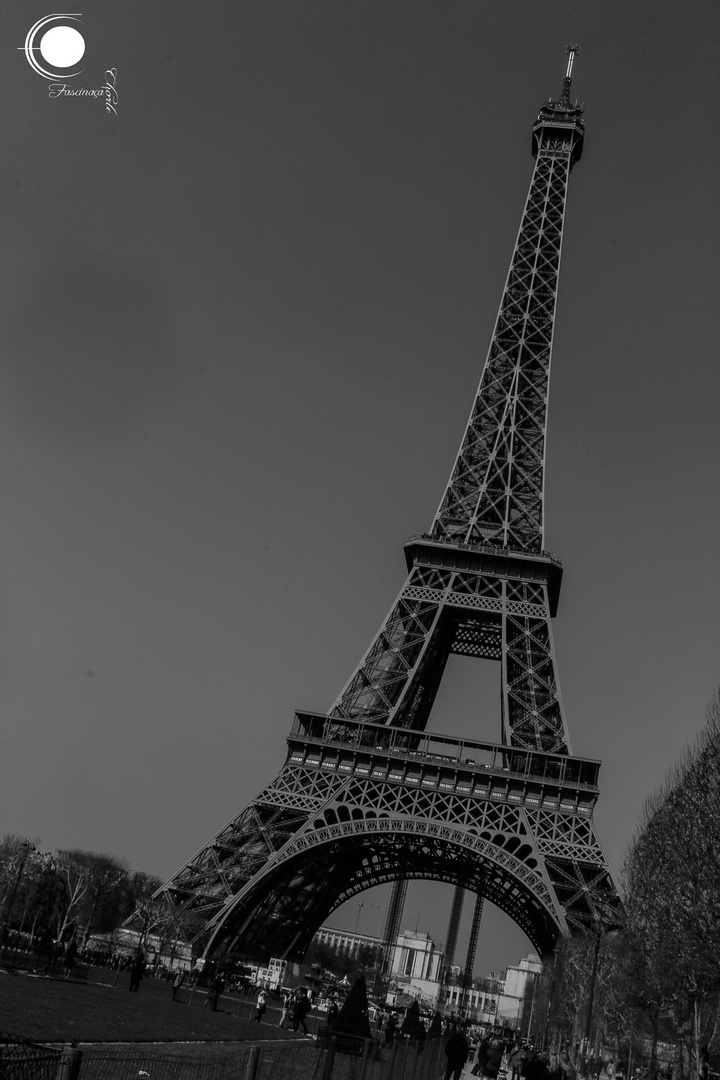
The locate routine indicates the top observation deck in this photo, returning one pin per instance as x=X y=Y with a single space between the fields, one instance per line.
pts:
x=560 y=121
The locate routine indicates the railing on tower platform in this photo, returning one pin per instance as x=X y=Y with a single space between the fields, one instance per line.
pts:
x=374 y=740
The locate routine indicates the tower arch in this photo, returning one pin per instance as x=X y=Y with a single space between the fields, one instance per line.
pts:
x=301 y=880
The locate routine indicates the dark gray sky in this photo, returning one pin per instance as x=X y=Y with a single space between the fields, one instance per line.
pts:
x=243 y=326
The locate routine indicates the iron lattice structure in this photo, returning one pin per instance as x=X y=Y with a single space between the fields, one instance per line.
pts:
x=367 y=794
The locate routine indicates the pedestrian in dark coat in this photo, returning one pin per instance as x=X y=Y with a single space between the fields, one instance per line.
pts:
x=537 y=1067
x=494 y=1060
x=177 y=983
x=136 y=973
x=457 y=1051
x=300 y=1011
x=70 y=958
x=481 y=1056
x=214 y=991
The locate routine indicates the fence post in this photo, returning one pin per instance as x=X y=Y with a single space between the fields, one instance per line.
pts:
x=69 y=1063
x=417 y=1068
x=401 y=1064
x=252 y=1064
x=410 y=1058
x=391 y=1059
x=367 y=1047
x=431 y=1064
x=328 y=1066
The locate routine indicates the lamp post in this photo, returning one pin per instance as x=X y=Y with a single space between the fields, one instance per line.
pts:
x=3 y=935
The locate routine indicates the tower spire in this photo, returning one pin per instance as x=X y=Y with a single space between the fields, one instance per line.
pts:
x=495 y=492
x=572 y=51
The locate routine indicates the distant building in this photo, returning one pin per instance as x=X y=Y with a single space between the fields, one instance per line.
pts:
x=123 y=942
x=479 y=1002
x=416 y=956
x=415 y=962
x=415 y=965
x=517 y=978
x=342 y=939
x=286 y=975
x=272 y=976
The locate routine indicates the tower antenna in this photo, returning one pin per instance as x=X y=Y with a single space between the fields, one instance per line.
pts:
x=572 y=51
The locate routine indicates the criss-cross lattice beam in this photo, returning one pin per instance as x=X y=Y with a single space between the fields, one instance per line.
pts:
x=495 y=491
x=476 y=614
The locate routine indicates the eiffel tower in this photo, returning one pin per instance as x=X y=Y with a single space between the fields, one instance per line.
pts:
x=368 y=794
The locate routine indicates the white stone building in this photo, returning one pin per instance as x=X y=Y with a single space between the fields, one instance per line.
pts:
x=517 y=977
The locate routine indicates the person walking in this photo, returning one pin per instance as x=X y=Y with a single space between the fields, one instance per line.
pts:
x=214 y=991
x=70 y=958
x=260 y=1007
x=300 y=1010
x=494 y=1060
x=390 y=1030
x=136 y=972
x=481 y=1055
x=177 y=983
x=457 y=1051
x=286 y=1003
x=517 y=1056
x=537 y=1066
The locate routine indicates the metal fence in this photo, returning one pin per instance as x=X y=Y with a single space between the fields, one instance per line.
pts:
x=280 y=1062
x=22 y=1059
x=336 y=1059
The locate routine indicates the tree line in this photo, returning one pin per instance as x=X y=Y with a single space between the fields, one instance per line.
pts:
x=656 y=1000
x=69 y=893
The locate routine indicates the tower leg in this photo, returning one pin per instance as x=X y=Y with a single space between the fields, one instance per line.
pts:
x=390 y=933
x=392 y=923
x=454 y=925
x=472 y=947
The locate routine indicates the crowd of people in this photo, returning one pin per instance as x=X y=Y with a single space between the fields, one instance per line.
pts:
x=493 y=1055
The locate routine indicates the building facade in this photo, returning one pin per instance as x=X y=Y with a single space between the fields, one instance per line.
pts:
x=343 y=939
x=518 y=979
x=478 y=1003
x=416 y=966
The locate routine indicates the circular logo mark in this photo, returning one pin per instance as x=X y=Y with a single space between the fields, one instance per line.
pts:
x=62 y=46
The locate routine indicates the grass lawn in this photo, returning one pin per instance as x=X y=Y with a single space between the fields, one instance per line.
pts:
x=59 y=1010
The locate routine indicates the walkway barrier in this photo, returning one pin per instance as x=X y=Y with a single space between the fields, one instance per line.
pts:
x=23 y=1059
x=335 y=1058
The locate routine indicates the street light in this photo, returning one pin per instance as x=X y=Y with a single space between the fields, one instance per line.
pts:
x=3 y=934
